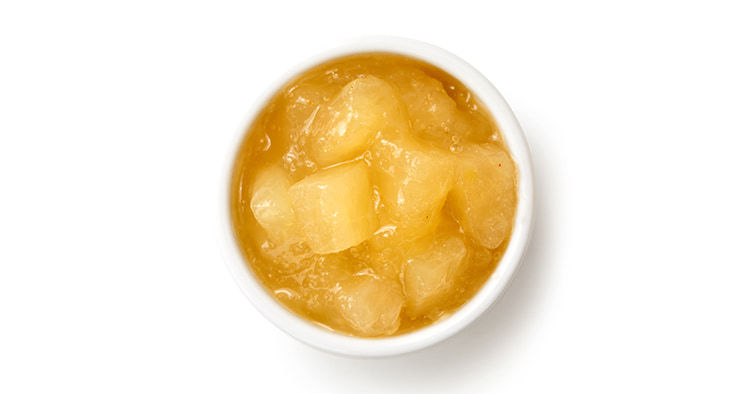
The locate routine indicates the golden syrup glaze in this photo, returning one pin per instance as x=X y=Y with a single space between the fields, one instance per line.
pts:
x=383 y=285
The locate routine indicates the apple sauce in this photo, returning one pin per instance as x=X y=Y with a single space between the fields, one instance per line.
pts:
x=373 y=195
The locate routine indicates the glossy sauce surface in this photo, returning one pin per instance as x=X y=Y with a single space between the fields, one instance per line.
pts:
x=373 y=195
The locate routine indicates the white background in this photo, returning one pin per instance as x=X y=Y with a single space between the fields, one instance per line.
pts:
x=115 y=123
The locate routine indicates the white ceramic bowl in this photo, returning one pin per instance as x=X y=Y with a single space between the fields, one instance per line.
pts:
x=334 y=342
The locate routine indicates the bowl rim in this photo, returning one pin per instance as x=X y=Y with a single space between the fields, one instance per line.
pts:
x=342 y=344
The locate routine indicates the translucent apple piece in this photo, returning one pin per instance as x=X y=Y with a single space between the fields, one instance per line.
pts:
x=272 y=206
x=484 y=199
x=382 y=255
x=412 y=180
x=370 y=305
x=328 y=271
x=334 y=207
x=322 y=279
x=304 y=99
x=430 y=276
x=346 y=127
x=435 y=115
x=302 y=102
x=387 y=251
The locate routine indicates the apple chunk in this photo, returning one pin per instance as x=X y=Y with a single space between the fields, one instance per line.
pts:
x=346 y=127
x=435 y=115
x=484 y=198
x=334 y=207
x=413 y=180
x=430 y=275
x=370 y=305
x=271 y=204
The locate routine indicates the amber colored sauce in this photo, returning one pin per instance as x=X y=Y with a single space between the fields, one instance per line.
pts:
x=277 y=137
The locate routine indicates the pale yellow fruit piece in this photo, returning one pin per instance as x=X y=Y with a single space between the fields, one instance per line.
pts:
x=387 y=252
x=303 y=101
x=484 y=199
x=370 y=305
x=413 y=180
x=346 y=127
x=334 y=207
x=429 y=276
x=323 y=278
x=384 y=257
x=271 y=204
x=329 y=270
x=388 y=261
x=435 y=115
